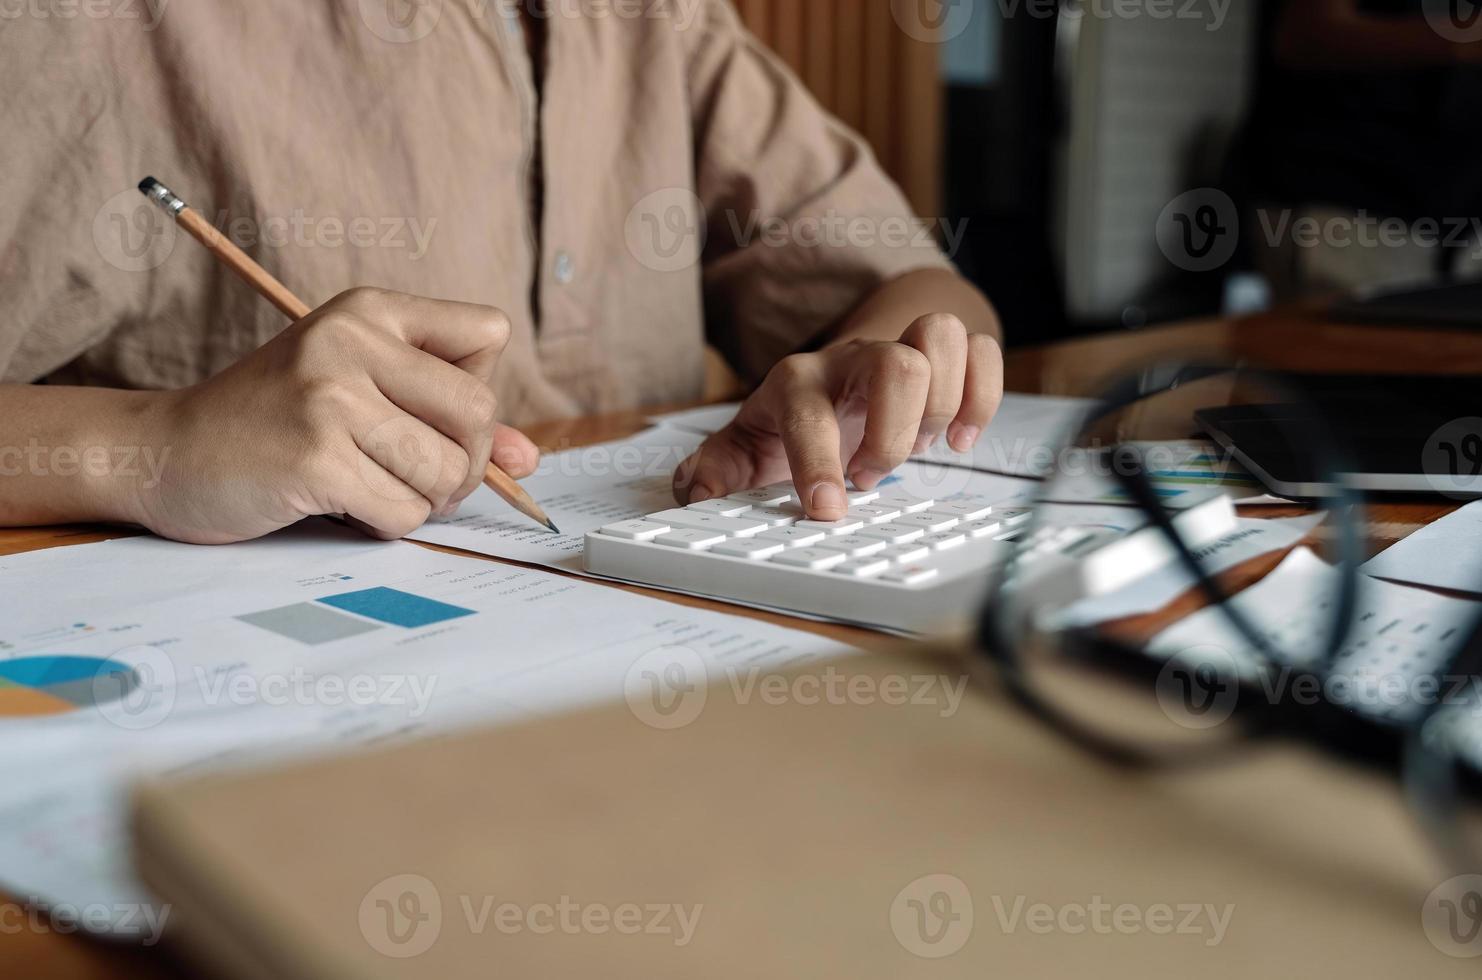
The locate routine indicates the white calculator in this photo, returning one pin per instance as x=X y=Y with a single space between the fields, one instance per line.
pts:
x=895 y=561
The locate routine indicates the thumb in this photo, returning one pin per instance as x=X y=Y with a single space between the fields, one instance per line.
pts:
x=720 y=466
x=513 y=452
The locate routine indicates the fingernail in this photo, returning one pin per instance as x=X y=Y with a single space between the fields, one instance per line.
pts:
x=923 y=443
x=867 y=479
x=701 y=493
x=964 y=437
x=827 y=496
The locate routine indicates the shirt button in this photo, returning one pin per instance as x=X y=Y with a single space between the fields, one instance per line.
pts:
x=565 y=268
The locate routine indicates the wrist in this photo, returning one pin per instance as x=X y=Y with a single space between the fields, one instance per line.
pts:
x=127 y=455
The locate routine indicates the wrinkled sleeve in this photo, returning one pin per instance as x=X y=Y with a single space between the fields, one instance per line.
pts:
x=68 y=267
x=801 y=222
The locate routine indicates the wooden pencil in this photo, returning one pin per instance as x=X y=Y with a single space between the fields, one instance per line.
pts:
x=296 y=309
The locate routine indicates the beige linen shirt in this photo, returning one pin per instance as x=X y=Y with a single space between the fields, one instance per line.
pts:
x=666 y=183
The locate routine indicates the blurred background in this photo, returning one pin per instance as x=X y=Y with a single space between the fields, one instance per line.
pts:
x=1121 y=163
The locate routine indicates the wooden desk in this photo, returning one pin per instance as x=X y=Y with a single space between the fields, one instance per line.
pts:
x=1292 y=341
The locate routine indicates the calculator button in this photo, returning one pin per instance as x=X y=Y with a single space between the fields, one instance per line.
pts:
x=635 y=530
x=931 y=522
x=861 y=496
x=906 y=503
x=910 y=575
x=738 y=527
x=764 y=496
x=749 y=548
x=1013 y=516
x=893 y=533
x=793 y=537
x=773 y=516
x=963 y=510
x=943 y=540
x=814 y=559
x=862 y=567
x=905 y=554
x=846 y=526
x=854 y=545
x=983 y=528
x=874 y=514
x=689 y=539
x=723 y=506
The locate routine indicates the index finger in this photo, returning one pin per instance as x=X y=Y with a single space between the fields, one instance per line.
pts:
x=810 y=437
x=467 y=335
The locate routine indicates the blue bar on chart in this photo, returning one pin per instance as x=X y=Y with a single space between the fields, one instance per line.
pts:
x=396 y=607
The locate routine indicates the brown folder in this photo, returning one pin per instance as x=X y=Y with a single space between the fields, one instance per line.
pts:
x=786 y=827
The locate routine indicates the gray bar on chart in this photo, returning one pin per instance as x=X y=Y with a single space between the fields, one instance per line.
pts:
x=308 y=623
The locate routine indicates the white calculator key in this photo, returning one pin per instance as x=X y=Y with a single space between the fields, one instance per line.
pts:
x=690 y=539
x=943 y=540
x=748 y=548
x=983 y=528
x=793 y=537
x=874 y=513
x=893 y=533
x=931 y=522
x=1013 y=516
x=862 y=567
x=773 y=516
x=815 y=559
x=906 y=503
x=905 y=554
x=963 y=510
x=764 y=496
x=723 y=506
x=857 y=497
x=635 y=530
x=854 y=545
x=846 y=526
x=739 y=527
x=910 y=574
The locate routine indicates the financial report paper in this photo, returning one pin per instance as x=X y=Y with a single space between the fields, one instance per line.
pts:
x=140 y=656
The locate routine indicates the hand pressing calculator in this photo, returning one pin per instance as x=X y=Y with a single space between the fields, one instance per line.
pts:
x=895 y=561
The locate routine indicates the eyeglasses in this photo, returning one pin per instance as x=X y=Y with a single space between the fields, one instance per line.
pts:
x=1244 y=634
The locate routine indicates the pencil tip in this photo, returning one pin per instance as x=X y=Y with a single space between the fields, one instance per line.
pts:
x=552 y=525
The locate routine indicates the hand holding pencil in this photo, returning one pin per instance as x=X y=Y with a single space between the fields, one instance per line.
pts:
x=377 y=406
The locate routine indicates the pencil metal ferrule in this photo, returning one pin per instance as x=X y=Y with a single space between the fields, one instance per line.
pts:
x=161 y=195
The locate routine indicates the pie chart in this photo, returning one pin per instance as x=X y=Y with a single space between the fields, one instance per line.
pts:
x=55 y=684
